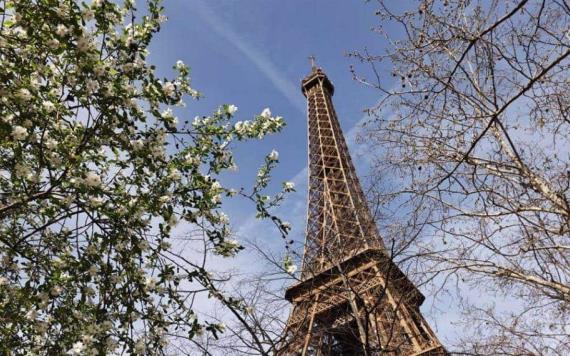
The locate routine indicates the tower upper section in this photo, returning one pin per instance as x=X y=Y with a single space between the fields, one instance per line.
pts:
x=314 y=78
x=339 y=223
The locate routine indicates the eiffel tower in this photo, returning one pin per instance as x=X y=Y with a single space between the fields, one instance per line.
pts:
x=351 y=298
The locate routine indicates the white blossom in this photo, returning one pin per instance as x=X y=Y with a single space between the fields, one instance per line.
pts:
x=170 y=119
x=137 y=144
x=233 y=243
x=111 y=344
x=164 y=199
x=143 y=245
x=92 y=179
x=8 y=118
x=150 y=282
x=62 y=10
x=84 y=43
x=128 y=67
x=167 y=114
x=32 y=314
x=19 y=133
x=232 y=109
x=77 y=348
x=20 y=32
x=266 y=113
x=289 y=186
x=48 y=106
x=52 y=43
x=33 y=178
x=175 y=174
x=157 y=151
x=240 y=127
x=172 y=220
x=92 y=86
x=92 y=271
x=88 y=338
x=21 y=170
x=51 y=143
x=216 y=199
x=35 y=83
x=61 y=30
x=291 y=268
x=223 y=218
x=191 y=160
x=140 y=347
x=168 y=88
x=96 y=201
x=273 y=156
x=55 y=291
x=67 y=200
x=24 y=94
x=99 y=71
x=197 y=121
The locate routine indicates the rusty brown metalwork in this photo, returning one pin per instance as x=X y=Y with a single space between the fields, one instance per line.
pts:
x=352 y=299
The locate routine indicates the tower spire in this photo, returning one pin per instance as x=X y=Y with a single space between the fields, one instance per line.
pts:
x=352 y=298
x=313 y=64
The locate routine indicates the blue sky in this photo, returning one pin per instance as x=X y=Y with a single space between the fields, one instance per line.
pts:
x=253 y=53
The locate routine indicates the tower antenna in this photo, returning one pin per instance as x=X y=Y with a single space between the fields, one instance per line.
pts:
x=313 y=64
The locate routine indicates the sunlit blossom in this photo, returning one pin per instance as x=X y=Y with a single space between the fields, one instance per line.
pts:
x=24 y=94
x=19 y=133
x=232 y=109
x=61 y=30
x=92 y=179
x=291 y=268
x=96 y=201
x=266 y=113
x=168 y=88
x=77 y=348
x=273 y=156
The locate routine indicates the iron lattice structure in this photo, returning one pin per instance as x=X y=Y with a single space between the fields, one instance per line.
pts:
x=352 y=299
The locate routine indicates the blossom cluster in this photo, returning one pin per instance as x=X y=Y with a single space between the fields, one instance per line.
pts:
x=96 y=171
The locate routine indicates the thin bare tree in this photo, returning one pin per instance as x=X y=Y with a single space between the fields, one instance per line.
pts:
x=477 y=131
